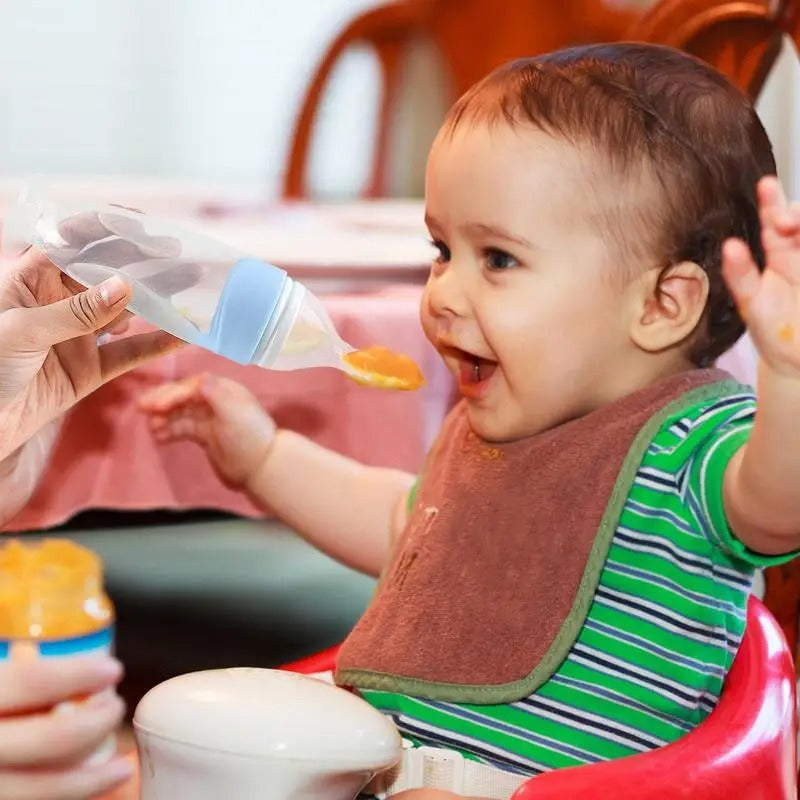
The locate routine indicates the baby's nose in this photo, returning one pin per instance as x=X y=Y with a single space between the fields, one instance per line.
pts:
x=447 y=293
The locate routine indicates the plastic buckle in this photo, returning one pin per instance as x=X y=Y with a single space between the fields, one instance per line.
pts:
x=435 y=768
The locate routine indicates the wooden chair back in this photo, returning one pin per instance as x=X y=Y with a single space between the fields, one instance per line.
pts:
x=470 y=37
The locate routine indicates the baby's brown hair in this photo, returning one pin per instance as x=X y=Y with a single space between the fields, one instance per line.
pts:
x=684 y=146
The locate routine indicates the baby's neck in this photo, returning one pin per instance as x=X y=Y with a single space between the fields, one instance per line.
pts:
x=640 y=373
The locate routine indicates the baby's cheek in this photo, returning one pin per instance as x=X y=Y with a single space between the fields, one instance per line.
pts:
x=426 y=319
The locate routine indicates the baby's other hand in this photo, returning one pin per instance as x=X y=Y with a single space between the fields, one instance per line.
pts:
x=217 y=413
x=769 y=301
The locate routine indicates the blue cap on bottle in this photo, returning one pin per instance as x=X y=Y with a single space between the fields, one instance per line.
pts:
x=248 y=300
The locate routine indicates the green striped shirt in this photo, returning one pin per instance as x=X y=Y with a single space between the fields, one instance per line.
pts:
x=665 y=623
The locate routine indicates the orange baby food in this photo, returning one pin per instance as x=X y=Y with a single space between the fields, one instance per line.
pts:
x=51 y=590
x=52 y=604
x=378 y=366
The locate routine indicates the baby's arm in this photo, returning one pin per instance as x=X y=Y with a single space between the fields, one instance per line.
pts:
x=344 y=508
x=339 y=505
x=761 y=491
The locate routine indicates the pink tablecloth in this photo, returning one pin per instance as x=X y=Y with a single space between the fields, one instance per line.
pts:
x=106 y=458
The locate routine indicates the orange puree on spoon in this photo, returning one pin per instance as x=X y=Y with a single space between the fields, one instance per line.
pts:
x=378 y=366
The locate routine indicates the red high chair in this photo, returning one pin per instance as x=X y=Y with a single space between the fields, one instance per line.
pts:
x=745 y=749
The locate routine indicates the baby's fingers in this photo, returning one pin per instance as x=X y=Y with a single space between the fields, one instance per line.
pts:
x=787 y=221
x=741 y=273
x=169 y=396
x=780 y=230
x=177 y=426
x=771 y=200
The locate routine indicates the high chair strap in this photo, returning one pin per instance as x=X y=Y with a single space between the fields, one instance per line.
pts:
x=436 y=768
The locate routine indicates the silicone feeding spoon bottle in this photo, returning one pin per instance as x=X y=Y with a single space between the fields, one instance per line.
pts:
x=199 y=289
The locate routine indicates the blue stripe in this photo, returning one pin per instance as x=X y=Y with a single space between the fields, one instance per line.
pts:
x=656 y=541
x=748 y=402
x=663 y=514
x=621 y=699
x=666 y=583
x=631 y=734
x=643 y=677
x=670 y=655
x=518 y=733
x=729 y=575
x=700 y=518
x=645 y=474
x=656 y=612
x=100 y=640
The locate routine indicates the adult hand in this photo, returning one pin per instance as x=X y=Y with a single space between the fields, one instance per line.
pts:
x=49 y=353
x=44 y=752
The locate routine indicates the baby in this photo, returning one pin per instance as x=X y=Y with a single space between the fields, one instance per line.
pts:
x=566 y=580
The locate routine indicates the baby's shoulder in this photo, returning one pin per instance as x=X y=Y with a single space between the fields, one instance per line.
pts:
x=696 y=426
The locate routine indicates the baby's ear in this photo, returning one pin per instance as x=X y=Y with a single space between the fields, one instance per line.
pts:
x=668 y=305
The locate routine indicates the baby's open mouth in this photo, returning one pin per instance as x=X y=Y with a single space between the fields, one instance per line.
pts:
x=474 y=369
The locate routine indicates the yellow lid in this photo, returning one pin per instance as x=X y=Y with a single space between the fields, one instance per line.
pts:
x=50 y=589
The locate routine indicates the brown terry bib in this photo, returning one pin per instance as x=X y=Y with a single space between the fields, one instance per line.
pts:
x=492 y=580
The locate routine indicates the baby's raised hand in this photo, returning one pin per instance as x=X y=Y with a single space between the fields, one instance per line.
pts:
x=769 y=301
x=220 y=415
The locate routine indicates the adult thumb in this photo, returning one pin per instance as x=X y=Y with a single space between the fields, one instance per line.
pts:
x=83 y=313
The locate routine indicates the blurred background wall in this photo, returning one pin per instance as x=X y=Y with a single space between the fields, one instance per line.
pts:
x=206 y=91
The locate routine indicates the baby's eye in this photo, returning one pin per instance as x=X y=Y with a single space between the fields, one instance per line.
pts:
x=499 y=260
x=444 y=251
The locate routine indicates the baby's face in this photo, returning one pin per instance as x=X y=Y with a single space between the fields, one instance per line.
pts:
x=524 y=302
